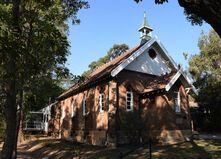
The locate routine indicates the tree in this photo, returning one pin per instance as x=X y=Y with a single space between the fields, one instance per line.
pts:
x=113 y=52
x=205 y=67
x=43 y=91
x=198 y=10
x=116 y=50
x=33 y=43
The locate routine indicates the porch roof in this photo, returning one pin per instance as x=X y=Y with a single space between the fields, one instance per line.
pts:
x=158 y=85
x=162 y=84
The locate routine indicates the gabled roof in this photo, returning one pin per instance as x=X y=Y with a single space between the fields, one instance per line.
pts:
x=115 y=66
x=141 y=50
x=159 y=82
x=102 y=71
x=167 y=81
x=180 y=74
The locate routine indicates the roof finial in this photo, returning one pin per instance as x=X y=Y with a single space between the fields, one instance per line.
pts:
x=145 y=19
x=145 y=29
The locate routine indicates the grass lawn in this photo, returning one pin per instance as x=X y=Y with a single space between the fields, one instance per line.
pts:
x=198 y=149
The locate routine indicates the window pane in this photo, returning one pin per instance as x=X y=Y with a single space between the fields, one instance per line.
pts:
x=129 y=101
x=177 y=102
x=101 y=102
x=128 y=107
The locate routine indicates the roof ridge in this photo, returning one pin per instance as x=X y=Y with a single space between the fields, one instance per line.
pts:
x=102 y=70
x=115 y=59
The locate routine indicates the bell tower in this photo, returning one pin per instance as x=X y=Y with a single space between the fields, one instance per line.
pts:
x=145 y=30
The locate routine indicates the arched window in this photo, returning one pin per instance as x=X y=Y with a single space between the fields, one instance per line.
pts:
x=177 y=102
x=84 y=106
x=101 y=102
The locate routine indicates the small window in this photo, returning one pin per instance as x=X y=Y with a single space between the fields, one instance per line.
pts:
x=177 y=102
x=63 y=112
x=101 y=102
x=129 y=101
x=152 y=53
x=84 y=106
x=72 y=109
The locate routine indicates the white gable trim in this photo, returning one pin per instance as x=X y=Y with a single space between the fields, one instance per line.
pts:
x=137 y=53
x=176 y=77
x=167 y=54
x=132 y=57
x=173 y=80
x=190 y=83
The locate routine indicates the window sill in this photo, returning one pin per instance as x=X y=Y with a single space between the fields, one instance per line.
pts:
x=129 y=110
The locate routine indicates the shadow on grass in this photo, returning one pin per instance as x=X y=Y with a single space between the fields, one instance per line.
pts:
x=64 y=149
x=185 y=150
x=55 y=149
x=211 y=146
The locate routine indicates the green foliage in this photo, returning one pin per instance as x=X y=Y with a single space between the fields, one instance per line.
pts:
x=206 y=69
x=42 y=47
x=113 y=52
x=207 y=62
x=43 y=92
x=194 y=18
x=2 y=126
x=33 y=51
x=210 y=99
x=116 y=50
x=156 y=1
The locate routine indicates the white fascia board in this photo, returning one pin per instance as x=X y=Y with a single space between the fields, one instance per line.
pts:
x=167 y=54
x=131 y=58
x=190 y=83
x=175 y=66
x=173 y=80
x=194 y=89
x=176 y=77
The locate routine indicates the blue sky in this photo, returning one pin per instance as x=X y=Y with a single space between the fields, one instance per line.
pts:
x=114 y=22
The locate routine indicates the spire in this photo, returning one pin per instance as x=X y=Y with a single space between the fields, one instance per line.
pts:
x=145 y=19
x=145 y=29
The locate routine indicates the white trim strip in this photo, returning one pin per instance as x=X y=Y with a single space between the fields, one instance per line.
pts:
x=167 y=54
x=173 y=80
x=176 y=77
x=137 y=53
x=132 y=57
x=190 y=83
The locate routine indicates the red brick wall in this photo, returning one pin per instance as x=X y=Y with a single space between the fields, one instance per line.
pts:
x=154 y=116
x=74 y=124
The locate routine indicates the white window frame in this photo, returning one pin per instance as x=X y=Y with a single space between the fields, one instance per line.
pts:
x=129 y=101
x=177 y=102
x=84 y=106
x=63 y=112
x=101 y=102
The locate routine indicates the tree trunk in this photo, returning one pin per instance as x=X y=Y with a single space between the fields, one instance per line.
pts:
x=8 y=150
x=209 y=10
x=10 y=113
x=19 y=127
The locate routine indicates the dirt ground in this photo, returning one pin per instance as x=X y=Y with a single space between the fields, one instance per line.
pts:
x=48 y=148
